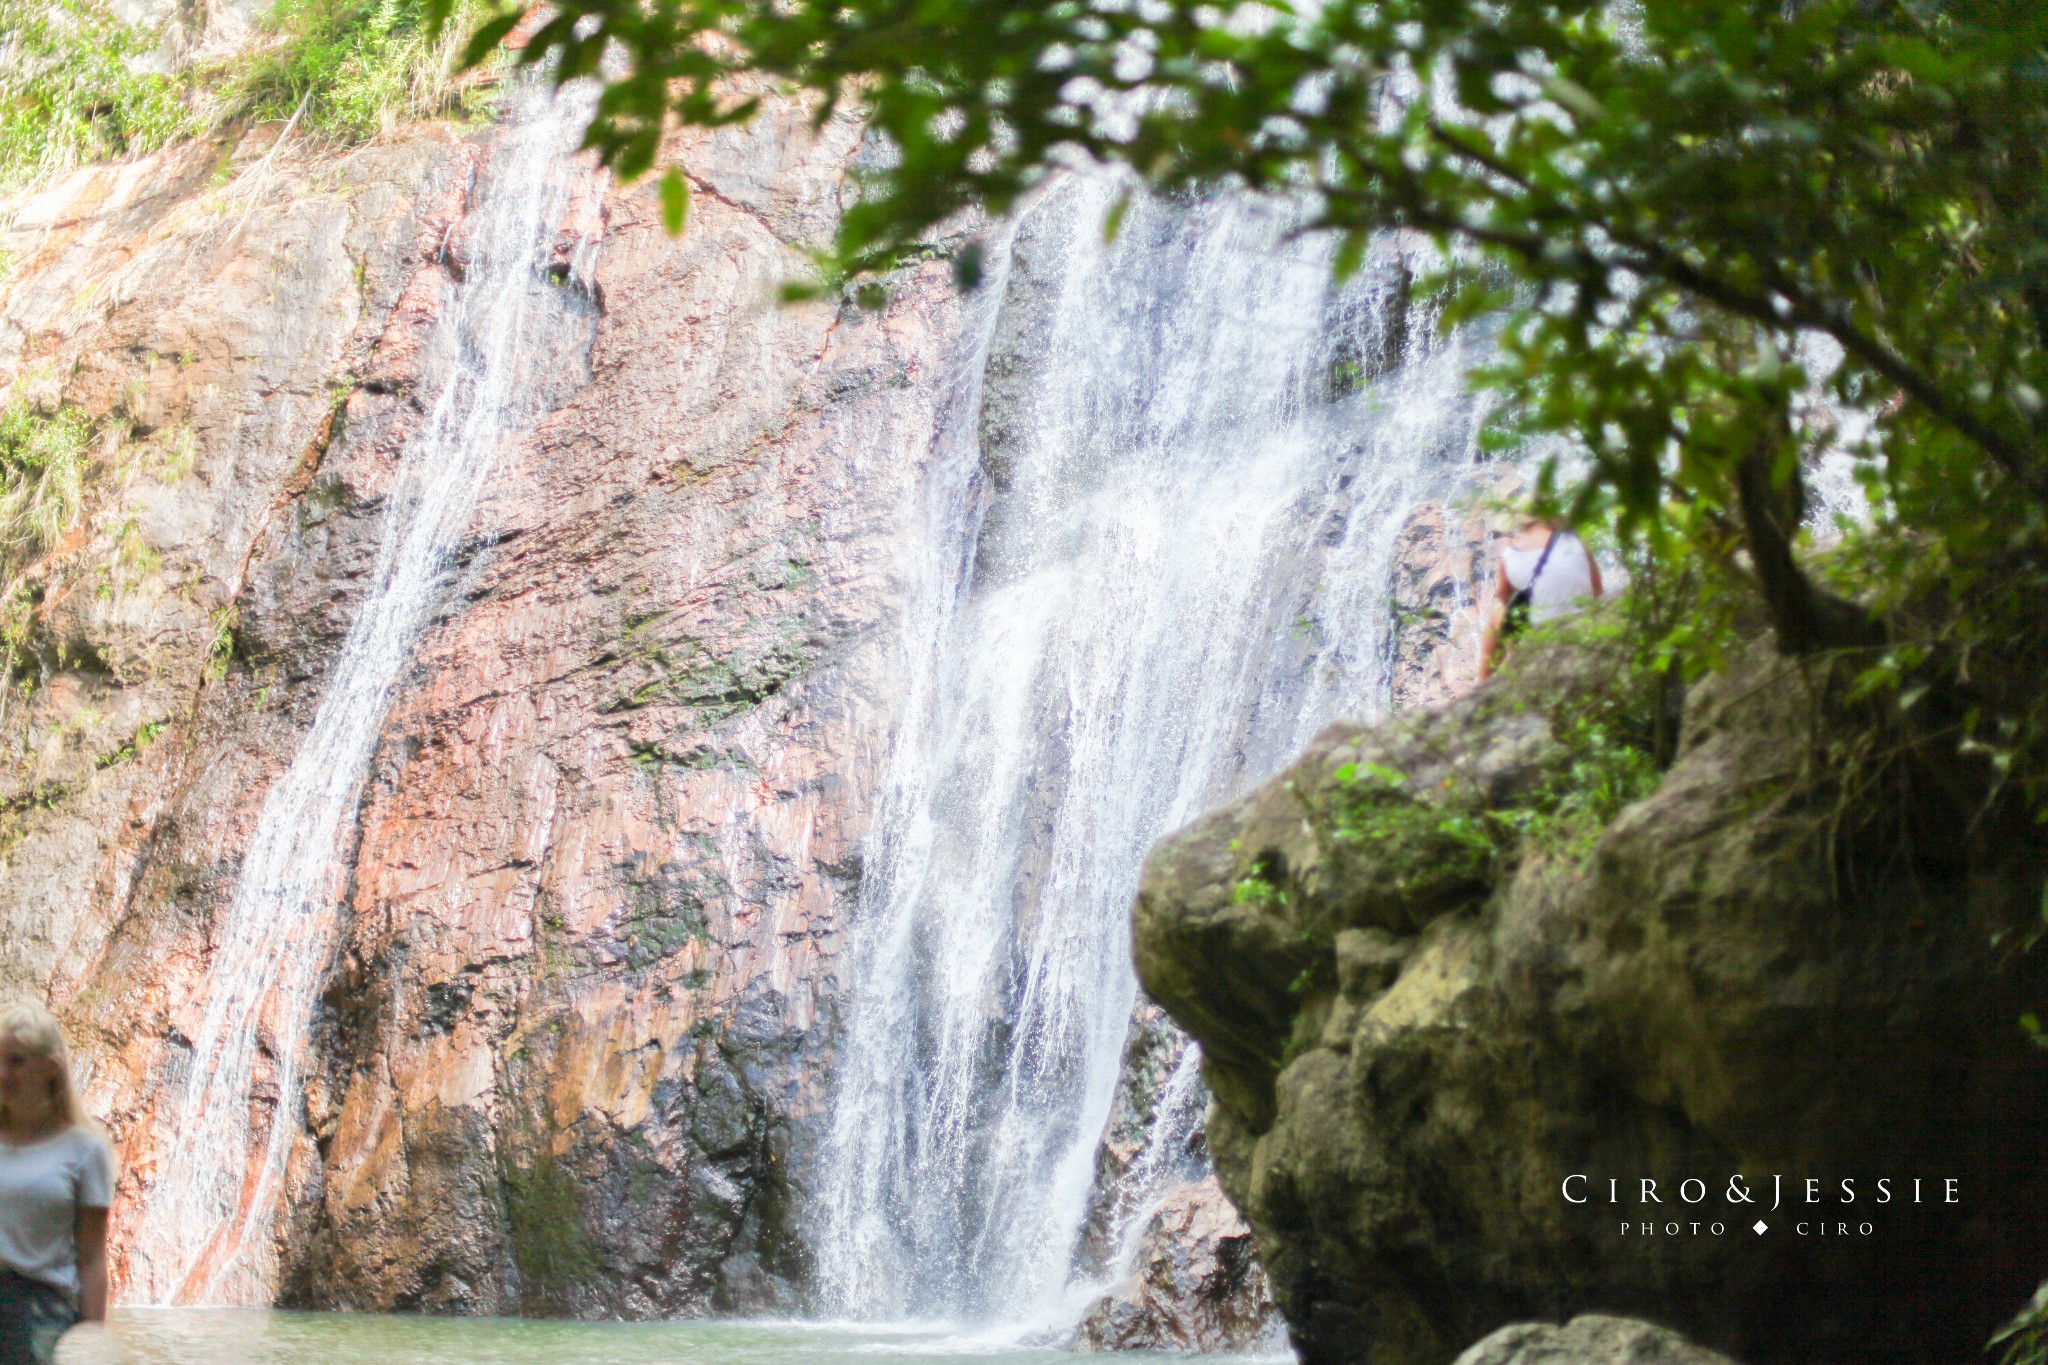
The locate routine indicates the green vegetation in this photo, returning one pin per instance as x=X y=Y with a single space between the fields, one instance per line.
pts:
x=360 y=66
x=42 y=478
x=17 y=629
x=43 y=463
x=145 y=735
x=1451 y=835
x=715 y=686
x=663 y=918
x=221 y=651
x=74 y=87
x=2025 y=1339
x=53 y=465
x=1440 y=844
x=79 y=85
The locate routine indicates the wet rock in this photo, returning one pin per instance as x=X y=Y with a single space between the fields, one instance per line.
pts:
x=1197 y=1285
x=568 y=1056
x=1153 y=1051
x=1184 y=1264
x=1443 y=560
x=620 y=792
x=204 y=332
x=1590 y=1340
x=1441 y=556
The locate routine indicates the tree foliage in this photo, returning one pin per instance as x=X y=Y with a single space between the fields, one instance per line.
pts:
x=1667 y=199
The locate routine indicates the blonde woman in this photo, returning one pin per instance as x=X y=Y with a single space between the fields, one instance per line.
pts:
x=56 y=1180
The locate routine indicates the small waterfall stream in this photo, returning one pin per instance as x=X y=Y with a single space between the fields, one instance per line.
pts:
x=1159 y=562
x=204 y=1233
x=1167 y=1161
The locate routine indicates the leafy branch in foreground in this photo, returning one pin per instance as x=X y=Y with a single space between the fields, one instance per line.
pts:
x=1677 y=205
x=2025 y=1338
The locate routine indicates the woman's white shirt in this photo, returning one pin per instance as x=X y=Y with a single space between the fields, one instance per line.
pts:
x=1567 y=575
x=42 y=1187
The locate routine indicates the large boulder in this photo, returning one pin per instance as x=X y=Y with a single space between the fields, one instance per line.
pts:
x=1594 y=1339
x=1446 y=1057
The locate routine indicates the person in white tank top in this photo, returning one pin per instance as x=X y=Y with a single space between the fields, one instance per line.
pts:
x=1568 y=577
x=56 y=1181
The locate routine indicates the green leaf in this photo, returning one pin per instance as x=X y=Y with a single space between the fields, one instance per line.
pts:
x=488 y=35
x=1113 y=222
x=675 y=201
x=1350 y=255
x=967 y=268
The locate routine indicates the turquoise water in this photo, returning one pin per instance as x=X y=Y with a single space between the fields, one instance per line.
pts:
x=235 y=1336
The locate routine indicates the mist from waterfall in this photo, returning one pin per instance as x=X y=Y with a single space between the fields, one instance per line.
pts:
x=227 y=1126
x=1158 y=559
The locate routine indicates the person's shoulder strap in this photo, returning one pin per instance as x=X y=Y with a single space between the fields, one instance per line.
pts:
x=1542 y=559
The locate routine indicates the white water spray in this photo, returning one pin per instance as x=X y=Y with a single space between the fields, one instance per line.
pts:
x=1164 y=1164
x=1164 y=565
x=205 y=1234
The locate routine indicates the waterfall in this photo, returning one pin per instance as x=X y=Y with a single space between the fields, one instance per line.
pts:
x=1158 y=560
x=1166 y=1162
x=224 y=1136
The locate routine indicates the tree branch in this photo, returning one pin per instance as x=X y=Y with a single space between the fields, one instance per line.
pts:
x=1805 y=619
x=1656 y=259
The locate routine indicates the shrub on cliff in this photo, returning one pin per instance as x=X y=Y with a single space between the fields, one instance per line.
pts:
x=79 y=84
x=71 y=89
x=359 y=66
x=42 y=478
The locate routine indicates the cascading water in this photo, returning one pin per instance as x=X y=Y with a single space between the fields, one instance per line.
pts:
x=1164 y=563
x=204 y=1231
x=1167 y=1161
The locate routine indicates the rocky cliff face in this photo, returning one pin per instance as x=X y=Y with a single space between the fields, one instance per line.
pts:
x=613 y=819
x=1792 y=962
x=568 y=1054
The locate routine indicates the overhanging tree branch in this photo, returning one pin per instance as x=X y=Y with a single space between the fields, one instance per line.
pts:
x=1654 y=259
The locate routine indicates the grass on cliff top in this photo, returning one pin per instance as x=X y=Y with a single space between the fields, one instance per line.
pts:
x=74 y=87
x=79 y=85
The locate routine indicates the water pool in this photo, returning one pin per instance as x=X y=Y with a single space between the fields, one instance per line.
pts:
x=237 y=1336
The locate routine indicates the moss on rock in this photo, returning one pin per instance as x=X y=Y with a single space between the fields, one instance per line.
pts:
x=1432 y=978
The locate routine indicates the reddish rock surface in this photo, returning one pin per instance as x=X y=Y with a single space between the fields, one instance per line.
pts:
x=1198 y=1286
x=611 y=826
